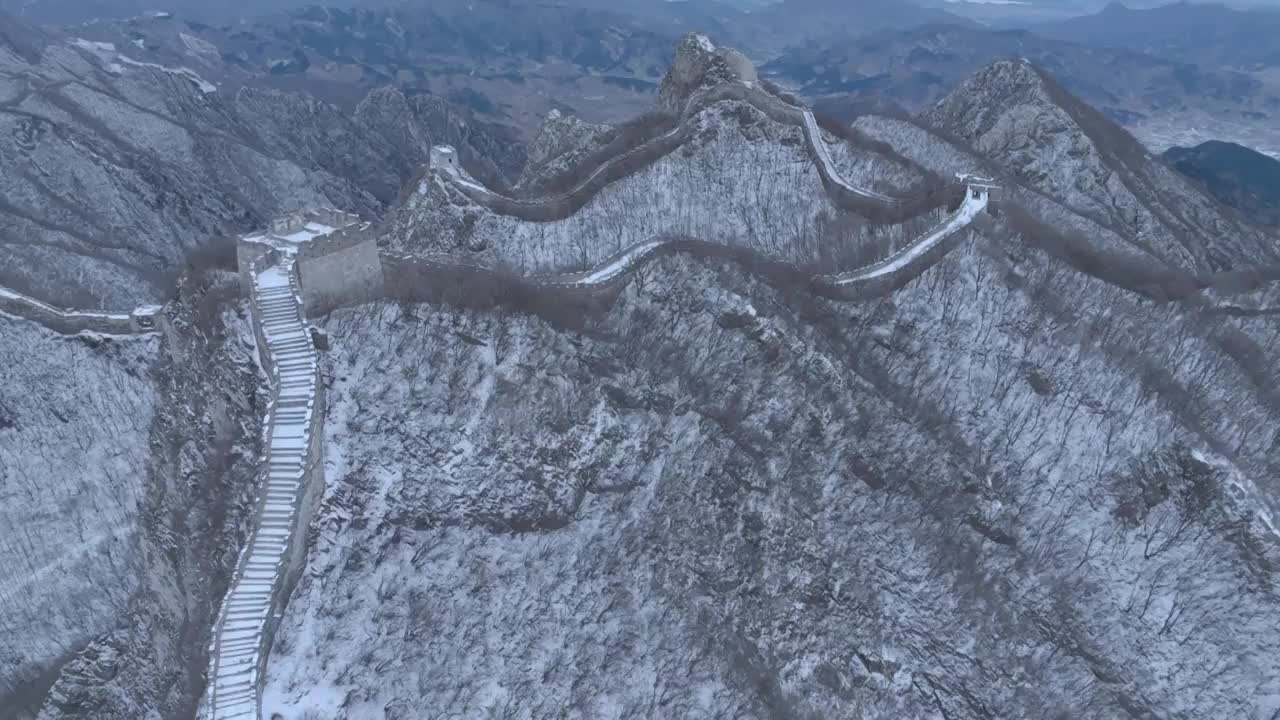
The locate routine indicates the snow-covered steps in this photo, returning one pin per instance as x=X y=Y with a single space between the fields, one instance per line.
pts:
x=242 y=634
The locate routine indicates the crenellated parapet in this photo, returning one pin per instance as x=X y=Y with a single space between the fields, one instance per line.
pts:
x=336 y=257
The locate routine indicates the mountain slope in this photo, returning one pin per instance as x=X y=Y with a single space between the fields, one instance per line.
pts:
x=1158 y=98
x=1018 y=116
x=1237 y=176
x=125 y=481
x=957 y=502
x=1009 y=489
x=116 y=168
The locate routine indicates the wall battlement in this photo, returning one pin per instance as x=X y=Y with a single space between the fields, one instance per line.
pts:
x=336 y=256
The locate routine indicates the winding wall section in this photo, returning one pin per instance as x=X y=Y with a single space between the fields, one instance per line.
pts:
x=71 y=322
x=272 y=560
x=428 y=278
x=842 y=194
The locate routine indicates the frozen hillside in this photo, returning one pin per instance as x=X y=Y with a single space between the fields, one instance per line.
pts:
x=73 y=461
x=1052 y=143
x=743 y=180
x=126 y=470
x=115 y=167
x=988 y=496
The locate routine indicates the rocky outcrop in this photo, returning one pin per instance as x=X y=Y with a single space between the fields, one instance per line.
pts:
x=557 y=146
x=698 y=64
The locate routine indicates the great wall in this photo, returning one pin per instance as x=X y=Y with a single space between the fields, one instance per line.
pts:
x=308 y=263
x=319 y=245
x=65 y=321
x=842 y=194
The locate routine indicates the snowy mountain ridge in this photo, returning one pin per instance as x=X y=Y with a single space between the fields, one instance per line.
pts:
x=998 y=486
x=1008 y=488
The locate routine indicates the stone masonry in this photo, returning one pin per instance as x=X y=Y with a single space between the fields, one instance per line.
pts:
x=336 y=257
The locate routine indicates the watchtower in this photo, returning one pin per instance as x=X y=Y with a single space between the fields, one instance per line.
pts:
x=976 y=185
x=336 y=256
x=445 y=159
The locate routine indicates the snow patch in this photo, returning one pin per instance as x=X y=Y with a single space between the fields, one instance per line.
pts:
x=203 y=85
x=114 y=63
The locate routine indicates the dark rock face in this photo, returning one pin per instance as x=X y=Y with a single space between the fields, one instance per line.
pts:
x=1237 y=176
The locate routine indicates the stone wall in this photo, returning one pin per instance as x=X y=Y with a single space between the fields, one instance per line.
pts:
x=562 y=206
x=339 y=269
x=71 y=322
x=251 y=255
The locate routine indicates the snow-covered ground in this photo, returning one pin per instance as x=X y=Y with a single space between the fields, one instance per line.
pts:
x=714 y=508
x=75 y=418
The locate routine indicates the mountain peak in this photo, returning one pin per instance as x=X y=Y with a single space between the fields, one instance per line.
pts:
x=699 y=63
x=1017 y=92
x=1022 y=118
x=974 y=107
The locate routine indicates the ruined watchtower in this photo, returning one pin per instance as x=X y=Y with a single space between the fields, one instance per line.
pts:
x=336 y=257
x=444 y=158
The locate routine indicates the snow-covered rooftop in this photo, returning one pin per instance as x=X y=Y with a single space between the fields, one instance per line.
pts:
x=290 y=232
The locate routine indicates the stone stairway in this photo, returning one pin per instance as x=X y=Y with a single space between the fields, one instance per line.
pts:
x=245 y=626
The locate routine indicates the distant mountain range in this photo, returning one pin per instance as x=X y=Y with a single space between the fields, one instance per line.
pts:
x=1237 y=176
x=1209 y=35
x=117 y=163
x=508 y=62
x=1157 y=98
